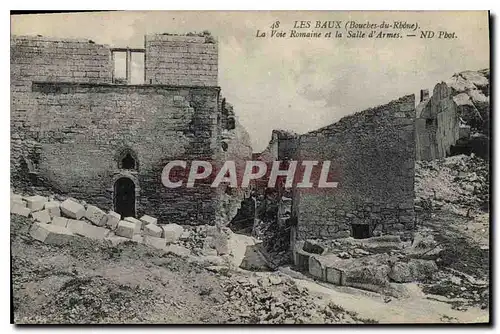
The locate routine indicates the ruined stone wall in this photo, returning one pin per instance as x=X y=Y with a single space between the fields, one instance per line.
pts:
x=57 y=60
x=438 y=125
x=37 y=59
x=84 y=128
x=181 y=60
x=373 y=159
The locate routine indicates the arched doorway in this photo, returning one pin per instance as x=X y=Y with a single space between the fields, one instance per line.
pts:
x=125 y=197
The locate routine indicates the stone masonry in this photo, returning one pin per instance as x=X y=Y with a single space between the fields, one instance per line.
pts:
x=181 y=60
x=373 y=159
x=72 y=129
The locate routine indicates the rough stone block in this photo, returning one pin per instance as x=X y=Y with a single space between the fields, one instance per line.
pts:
x=148 y=220
x=138 y=238
x=42 y=216
x=137 y=223
x=177 y=250
x=172 y=232
x=35 y=203
x=87 y=230
x=155 y=242
x=20 y=210
x=53 y=207
x=301 y=260
x=60 y=221
x=95 y=215
x=334 y=275
x=414 y=270
x=17 y=199
x=72 y=209
x=153 y=230
x=125 y=229
x=316 y=268
x=112 y=220
x=51 y=234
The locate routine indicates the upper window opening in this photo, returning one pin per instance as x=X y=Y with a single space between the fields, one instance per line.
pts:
x=128 y=66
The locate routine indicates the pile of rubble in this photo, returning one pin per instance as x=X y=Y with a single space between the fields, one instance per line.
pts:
x=460 y=182
x=58 y=221
x=277 y=299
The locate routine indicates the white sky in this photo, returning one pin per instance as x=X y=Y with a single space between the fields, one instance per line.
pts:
x=295 y=84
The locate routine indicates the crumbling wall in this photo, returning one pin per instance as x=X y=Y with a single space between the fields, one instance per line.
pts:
x=456 y=118
x=373 y=159
x=181 y=60
x=437 y=124
x=235 y=146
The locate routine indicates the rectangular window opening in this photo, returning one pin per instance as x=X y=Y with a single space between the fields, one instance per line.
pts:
x=128 y=66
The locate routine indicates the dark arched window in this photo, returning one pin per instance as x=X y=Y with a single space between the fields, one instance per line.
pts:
x=128 y=160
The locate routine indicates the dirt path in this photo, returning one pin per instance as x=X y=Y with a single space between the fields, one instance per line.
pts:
x=415 y=309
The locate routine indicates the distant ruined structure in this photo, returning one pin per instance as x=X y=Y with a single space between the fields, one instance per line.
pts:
x=455 y=117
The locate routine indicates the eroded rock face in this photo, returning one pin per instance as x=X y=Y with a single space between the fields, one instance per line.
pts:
x=471 y=94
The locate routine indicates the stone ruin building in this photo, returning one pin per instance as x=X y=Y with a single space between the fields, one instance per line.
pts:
x=80 y=129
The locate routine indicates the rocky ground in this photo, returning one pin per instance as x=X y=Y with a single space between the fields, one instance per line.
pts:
x=455 y=190
x=90 y=281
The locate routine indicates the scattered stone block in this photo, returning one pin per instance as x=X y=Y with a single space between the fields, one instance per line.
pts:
x=155 y=242
x=51 y=234
x=72 y=209
x=369 y=273
x=95 y=215
x=153 y=230
x=177 y=250
x=172 y=232
x=17 y=199
x=316 y=268
x=314 y=247
x=35 y=203
x=60 y=221
x=413 y=270
x=125 y=229
x=112 y=220
x=53 y=207
x=138 y=238
x=84 y=229
x=137 y=223
x=334 y=275
x=148 y=220
x=254 y=259
x=42 y=216
x=20 y=210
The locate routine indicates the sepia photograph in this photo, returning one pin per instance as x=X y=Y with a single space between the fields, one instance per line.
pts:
x=250 y=167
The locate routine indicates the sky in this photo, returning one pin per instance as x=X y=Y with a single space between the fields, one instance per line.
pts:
x=296 y=84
